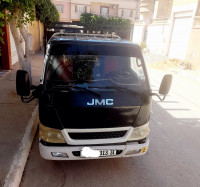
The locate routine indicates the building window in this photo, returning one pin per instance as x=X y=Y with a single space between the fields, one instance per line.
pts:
x=59 y=8
x=127 y=13
x=80 y=8
x=104 y=10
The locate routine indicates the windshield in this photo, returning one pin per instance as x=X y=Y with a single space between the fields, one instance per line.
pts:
x=72 y=65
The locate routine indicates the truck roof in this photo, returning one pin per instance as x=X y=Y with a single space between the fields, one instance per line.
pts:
x=94 y=38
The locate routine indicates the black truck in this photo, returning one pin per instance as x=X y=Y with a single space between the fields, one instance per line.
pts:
x=94 y=97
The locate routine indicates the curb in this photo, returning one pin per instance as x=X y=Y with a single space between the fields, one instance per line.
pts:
x=14 y=175
x=4 y=73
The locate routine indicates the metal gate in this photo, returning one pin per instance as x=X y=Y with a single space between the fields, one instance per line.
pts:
x=180 y=36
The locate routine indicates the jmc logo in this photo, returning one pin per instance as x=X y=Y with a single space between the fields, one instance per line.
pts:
x=108 y=102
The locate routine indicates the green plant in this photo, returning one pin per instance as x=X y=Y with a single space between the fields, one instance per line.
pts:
x=23 y=12
x=143 y=45
x=46 y=12
x=94 y=22
x=18 y=14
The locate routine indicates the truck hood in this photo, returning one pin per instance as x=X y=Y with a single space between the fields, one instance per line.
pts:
x=73 y=112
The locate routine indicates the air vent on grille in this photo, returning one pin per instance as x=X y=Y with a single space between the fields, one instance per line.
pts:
x=96 y=135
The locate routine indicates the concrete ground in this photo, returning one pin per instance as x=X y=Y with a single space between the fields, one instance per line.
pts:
x=172 y=158
x=14 y=115
x=157 y=58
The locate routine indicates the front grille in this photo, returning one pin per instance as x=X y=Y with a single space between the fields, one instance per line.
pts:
x=78 y=153
x=97 y=135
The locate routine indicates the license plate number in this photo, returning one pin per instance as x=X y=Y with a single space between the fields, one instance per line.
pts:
x=88 y=152
x=108 y=153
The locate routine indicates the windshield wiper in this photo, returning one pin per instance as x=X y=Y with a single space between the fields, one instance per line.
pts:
x=68 y=86
x=118 y=88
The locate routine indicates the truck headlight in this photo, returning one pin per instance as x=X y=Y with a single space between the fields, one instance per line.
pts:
x=140 y=132
x=51 y=135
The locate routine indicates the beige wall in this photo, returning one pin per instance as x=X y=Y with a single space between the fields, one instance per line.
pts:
x=164 y=9
x=193 y=50
x=93 y=6
x=37 y=30
x=183 y=2
x=184 y=5
x=96 y=8
x=75 y=16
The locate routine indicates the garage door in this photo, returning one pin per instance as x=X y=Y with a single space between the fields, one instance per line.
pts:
x=180 y=37
x=14 y=56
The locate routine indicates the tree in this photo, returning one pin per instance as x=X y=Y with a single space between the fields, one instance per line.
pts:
x=18 y=14
x=46 y=12
x=94 y=22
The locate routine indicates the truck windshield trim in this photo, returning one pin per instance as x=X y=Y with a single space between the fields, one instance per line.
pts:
x=71 y=86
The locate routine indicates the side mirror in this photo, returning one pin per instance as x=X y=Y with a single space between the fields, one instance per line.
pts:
x=22 y=83
x=165 y=84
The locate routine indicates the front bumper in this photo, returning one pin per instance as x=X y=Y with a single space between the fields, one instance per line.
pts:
x=128 y=149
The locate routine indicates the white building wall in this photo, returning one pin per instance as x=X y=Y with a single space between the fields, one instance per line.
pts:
x=157 y=38
x=137 y=34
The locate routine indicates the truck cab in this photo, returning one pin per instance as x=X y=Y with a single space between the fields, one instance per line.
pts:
x=94 y=98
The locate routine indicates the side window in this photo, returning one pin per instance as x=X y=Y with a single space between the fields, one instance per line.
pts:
x=104 y=11
x=127 y=13
x=136 y=65
x=80 y=8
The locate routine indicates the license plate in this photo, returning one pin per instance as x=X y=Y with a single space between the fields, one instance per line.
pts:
x=108 y=152
x=88 y=152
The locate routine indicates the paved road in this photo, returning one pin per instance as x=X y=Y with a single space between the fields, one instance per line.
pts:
x=172 y=159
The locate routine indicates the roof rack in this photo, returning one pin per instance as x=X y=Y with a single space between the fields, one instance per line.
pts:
x=76 y=35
